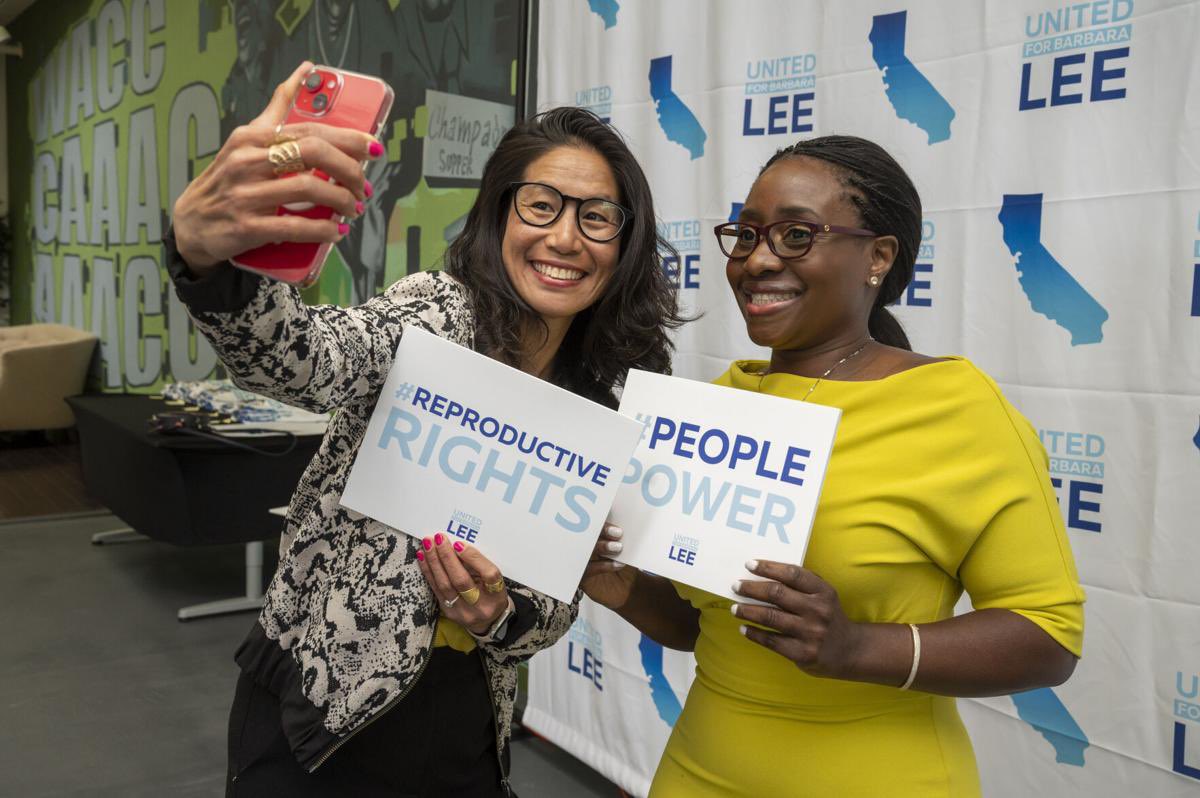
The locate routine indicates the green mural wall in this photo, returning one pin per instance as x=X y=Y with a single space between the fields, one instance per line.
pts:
x=118 y=104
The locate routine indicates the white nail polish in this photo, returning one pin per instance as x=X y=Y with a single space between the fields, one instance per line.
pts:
x=733 y=608
x=751 y=565
x=618 y=566
x=742 y=630
x=614 y=531
x=737 y=586
x=613 y=546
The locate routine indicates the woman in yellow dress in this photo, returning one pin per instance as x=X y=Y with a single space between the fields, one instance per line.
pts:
x=843 y=684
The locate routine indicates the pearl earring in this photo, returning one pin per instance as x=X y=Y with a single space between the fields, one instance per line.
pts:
x=874 y=279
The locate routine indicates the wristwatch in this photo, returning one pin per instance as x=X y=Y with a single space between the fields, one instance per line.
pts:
x=498 y=629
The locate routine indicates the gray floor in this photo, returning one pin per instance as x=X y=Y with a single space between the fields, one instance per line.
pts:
x=104 y=693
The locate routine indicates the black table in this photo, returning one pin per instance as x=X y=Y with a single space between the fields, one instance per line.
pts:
x=185 y=490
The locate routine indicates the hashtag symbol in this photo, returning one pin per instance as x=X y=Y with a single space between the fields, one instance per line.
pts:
x=406 y=392
x=646 y=422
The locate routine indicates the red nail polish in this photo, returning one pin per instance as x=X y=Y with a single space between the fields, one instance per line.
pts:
x=368 y=189
x=438 y=538
x=375 y=149
x=458 y=546
x=343 y=228
x=421 y=556
x=358 y=207
x=427 y=543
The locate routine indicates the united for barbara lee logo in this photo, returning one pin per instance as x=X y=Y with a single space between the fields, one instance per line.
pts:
x=597 y=99
x=1077 y=468
x=780 y=95
x=683 y=269
x=1185 y=709
x=1196 y=271
x=1076 y=53
x=585 y=652
x=464 y=526
x=919 y=293
x=684 y=549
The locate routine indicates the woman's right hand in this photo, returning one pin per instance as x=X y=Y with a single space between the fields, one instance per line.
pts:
x=606 y=581
x=231 y=206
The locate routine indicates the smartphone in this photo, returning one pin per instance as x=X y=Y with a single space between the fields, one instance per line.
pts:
x=332 y=97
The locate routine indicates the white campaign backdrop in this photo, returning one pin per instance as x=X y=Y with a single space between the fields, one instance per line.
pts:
x=1118 y=171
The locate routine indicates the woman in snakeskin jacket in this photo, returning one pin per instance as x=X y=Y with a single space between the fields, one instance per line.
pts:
x=365 y=674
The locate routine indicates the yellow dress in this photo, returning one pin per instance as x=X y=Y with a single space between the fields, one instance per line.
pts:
x=936 y=485
x=450 y=633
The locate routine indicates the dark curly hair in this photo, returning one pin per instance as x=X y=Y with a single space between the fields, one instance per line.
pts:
x=887 y=202
x=627 y=326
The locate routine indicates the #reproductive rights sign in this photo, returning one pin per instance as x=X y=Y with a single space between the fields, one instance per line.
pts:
x=721 y=476
x=462 y=444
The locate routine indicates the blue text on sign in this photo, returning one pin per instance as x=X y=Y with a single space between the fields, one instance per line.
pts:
x=1061 y=80
x=453 y=457
x=682 y=555
x=911 y=295
x=739 y=506
x=462 y=531
x=586 y=665
x=546 y=451
x=713 y=446
x=780 y=109
x=1076 y=505
x=686 y=277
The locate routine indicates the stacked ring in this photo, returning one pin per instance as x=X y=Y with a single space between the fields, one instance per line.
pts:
x=284 y=156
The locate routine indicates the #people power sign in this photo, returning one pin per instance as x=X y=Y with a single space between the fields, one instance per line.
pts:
x=721 y=476
x=462 y=444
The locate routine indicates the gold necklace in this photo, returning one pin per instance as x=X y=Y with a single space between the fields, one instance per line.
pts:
x=828 y=371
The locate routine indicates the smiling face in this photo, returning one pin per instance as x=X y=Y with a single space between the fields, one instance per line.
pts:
x=556 y=269
x=824 y=295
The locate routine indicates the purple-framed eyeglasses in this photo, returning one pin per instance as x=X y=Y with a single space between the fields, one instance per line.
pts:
x=787 y=238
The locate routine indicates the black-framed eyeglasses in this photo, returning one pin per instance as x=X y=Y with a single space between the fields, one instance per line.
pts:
x=540 y=205
x=787 y=238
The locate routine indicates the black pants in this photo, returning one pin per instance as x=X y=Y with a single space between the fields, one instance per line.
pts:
x=439 y=741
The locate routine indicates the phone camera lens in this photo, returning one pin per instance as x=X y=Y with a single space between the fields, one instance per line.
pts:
x=320 y=102
x=313 y=81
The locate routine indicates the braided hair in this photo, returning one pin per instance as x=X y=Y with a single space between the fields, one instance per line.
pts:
x=886 y=201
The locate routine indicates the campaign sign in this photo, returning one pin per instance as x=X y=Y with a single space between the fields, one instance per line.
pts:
x=721 y=476
x=467 y=446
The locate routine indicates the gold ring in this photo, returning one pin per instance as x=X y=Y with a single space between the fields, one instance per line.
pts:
x=470 y=596
x=495 y=587
x=285 y=157
x=280 y=136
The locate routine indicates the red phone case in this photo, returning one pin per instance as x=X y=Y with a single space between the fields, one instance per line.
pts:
x=354 y=101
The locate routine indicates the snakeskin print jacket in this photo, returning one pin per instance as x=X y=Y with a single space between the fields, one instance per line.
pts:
x=348 y=621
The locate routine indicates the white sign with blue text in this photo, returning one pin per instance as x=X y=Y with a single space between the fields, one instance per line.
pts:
x=721 y=477
x=467 y=446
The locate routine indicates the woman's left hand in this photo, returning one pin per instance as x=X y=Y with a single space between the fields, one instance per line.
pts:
x=457 y=572
x=812 y=630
